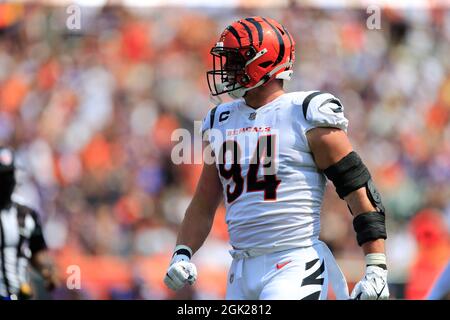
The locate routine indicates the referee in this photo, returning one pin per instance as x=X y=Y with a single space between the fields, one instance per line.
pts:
x=21 y=239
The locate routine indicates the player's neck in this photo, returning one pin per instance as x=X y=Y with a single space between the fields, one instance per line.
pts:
x=261 y=96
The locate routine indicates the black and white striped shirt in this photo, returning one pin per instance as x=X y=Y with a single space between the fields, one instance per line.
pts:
x=20 y=238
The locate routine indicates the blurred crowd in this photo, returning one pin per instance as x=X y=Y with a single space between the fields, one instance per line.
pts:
x=90 y=113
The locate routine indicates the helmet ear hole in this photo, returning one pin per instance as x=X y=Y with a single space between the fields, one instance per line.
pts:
x=251 y=52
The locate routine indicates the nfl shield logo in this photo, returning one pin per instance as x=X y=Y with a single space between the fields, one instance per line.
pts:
x=252 y=116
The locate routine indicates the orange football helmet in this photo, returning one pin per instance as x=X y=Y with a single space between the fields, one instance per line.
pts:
x=250 y=53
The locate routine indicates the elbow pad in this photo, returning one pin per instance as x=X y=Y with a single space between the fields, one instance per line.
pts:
x=350 y=174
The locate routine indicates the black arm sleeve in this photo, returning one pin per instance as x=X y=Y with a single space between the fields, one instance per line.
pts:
x=37 y=241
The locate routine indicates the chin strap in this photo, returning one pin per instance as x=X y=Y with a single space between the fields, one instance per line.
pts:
x=285 y=75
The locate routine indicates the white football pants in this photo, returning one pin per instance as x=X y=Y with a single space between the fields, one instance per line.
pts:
x=293 y=274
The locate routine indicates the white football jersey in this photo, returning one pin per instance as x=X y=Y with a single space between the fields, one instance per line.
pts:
x=272 y=190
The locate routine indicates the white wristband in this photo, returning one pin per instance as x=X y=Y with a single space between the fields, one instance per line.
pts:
x=182 y=246
x=180 y=256
x=375 y=258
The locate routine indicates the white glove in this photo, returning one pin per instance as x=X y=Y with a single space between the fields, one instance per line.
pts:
x=180 y=271
x=373 y=286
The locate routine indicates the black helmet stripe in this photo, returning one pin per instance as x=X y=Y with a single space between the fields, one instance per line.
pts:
x=258 y=27
x=250 y=36
x=280 y=42
x=235 y=34
x=290 y=41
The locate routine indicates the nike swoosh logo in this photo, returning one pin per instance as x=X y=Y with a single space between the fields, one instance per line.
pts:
x=282 y=264
x=379 y=293
x=337 y=110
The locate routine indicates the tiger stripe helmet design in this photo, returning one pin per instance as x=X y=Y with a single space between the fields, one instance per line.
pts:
x=250 y=52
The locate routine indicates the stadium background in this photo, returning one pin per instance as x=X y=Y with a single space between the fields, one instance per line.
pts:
x=90 y=113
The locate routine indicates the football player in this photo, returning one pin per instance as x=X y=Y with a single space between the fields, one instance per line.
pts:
x=271 y=173
x=21 y=240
